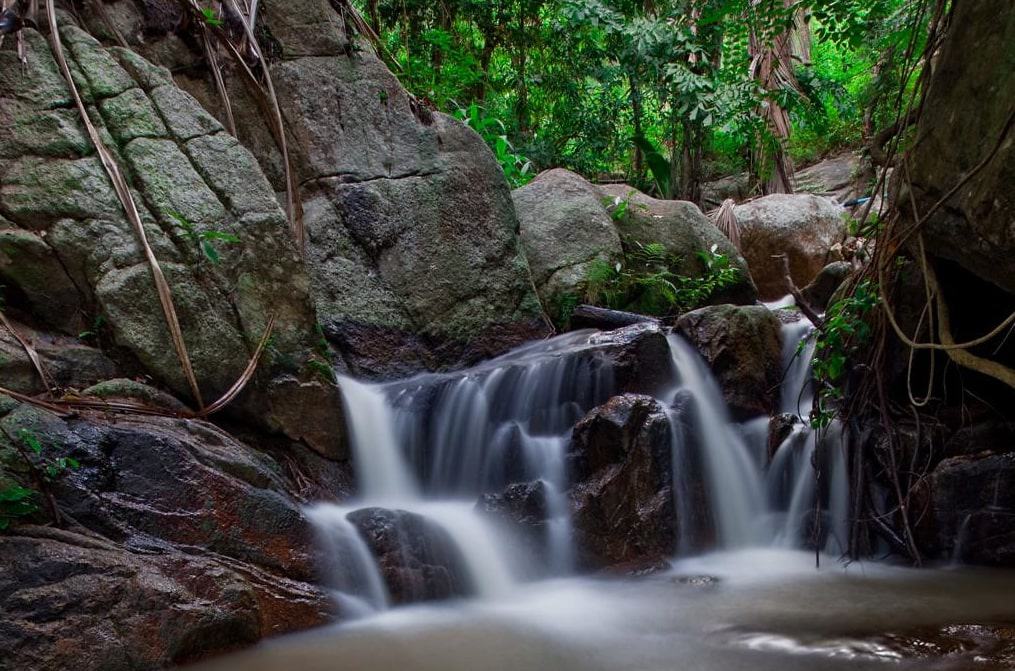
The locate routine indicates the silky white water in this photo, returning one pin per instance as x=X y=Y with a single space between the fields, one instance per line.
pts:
x=431 y=444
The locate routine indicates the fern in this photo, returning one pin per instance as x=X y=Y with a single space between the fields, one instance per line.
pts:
x=649 y=282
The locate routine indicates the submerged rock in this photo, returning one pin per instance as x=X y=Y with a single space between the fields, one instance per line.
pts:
x=742 y=345
x=521 y=510
x=803 y=227
x=564 y=229
x=622 y=473
x=418 y=559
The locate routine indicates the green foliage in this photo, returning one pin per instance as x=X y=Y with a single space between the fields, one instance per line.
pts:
x=17 y=501
x=844 y=332
x=571 y=82
x=516 y=167
x=648 y=281
x=92 y=333
x=619 y=207
x=210 y=17
x=205 y=240
x=321 y=369
x=657 y=165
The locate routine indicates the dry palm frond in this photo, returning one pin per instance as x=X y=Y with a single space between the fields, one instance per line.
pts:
x=33 y=355
x=220 y=83
x=120 y=406
x=129 y=207
x=248 y=373
x=52 y=407
x=725 y=219
x=268 y=101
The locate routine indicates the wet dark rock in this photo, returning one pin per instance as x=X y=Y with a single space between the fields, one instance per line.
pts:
x=521 y=509
x=418 y=559
x=523 y=503
x=742 y=346
x=973 y=508
x=982 y=436
x=604 y=319
x=183 y=543
x=622 y=474
x=779 y=429
x=819 y=292
x=639 y=355
x=74 y=601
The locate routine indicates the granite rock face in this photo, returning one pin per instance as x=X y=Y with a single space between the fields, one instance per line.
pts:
x=71 y=258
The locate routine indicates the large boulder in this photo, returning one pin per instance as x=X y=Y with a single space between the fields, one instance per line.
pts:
x=412 y=240
x=743 y=347
x=181 y=543
x=973 y=227
x=804 y=227
x=564 y=228
x=418 y=559
x=683 y=230
x=972 y=508
x=834 y=177
x=70 y=255
x=621 y=468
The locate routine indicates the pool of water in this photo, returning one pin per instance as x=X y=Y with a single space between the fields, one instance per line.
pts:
x=757 y=610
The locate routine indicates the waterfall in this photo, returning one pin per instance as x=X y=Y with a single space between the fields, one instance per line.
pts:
x=352 y=573
x=380 y=468
x=430 y=445
x=733 y=480
x=794 y=487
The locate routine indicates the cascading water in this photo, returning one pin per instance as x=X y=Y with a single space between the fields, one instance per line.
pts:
x=807 y=476
x=431 y=444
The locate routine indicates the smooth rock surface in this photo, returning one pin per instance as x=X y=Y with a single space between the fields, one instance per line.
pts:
x=804 y=227
x=564 y=228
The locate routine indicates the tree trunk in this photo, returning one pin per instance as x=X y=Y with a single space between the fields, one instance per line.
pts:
x=637 y=114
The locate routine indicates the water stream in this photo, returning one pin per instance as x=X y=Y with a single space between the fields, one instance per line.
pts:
x=431 y=444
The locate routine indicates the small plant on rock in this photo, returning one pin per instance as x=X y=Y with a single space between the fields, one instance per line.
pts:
x=17 y=501
x=648 y=281
x=843 y=332
x=205 y=240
